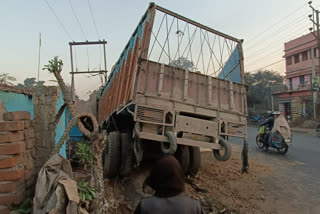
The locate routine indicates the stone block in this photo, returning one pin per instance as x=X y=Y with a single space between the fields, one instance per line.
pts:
x=11 y=174
x=8 y=161
x=8 y=199
x=11 y=126
x=29 y=144
x=12 y=148
x=17 y=115
x=27 y=123
x=29 y=164
x=7 y=137
x=28 y=133
x=4 y=210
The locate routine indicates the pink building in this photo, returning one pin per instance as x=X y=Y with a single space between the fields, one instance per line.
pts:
x=295 y=100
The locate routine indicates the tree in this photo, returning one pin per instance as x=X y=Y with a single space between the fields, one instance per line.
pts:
x=5 y=78
x=88 y=126
x=31 y=82
x=260 y=86
x=183 y=63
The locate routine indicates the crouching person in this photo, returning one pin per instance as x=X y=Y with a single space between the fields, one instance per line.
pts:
x=167 y=179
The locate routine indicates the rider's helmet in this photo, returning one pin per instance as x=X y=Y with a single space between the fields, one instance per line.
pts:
x=276 y=113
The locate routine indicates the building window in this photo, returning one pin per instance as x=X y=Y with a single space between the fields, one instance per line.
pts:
x=289 y=60
x=296 y=58
x=315 y=52
x=301 y=80
x=304 y=55
x=290 y=83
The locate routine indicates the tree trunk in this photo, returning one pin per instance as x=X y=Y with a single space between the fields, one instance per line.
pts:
x=99 y=204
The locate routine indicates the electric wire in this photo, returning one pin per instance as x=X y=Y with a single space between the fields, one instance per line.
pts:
x=278 y=22
x=63 y=27
x=82 y=31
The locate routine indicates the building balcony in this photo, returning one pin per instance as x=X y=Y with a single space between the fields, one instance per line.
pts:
x=285 y=89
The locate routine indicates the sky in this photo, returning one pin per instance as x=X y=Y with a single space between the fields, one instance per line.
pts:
x=264 y=25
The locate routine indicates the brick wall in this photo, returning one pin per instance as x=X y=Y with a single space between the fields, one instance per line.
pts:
x=17 y=172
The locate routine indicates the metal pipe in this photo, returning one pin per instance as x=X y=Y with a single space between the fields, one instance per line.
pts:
x=72 y=75
x=196 y=24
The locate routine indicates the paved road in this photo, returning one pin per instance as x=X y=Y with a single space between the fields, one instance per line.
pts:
x=294 y=186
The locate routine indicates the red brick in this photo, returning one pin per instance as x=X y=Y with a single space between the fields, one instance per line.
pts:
x=11 y=126
x=4 y=210
x=7 y=186
x=7 y=137
x=28 y=133
x=27 y=124
x=12 y=148
x=16 y=115
x=11 y=174
x=10 y=161
x=8 y=199
x=10 y=186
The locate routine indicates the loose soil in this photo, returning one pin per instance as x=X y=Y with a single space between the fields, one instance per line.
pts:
x=219 y=186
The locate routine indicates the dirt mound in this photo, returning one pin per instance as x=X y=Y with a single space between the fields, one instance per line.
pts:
x=219 y=186
x=310 y=124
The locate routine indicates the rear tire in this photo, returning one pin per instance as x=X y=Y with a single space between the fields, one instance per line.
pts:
x=227 y=150
x=126 y=154
x=183 y=156
x=284 y=149
x=259 y=142
x=195 y=160
x=112 y=155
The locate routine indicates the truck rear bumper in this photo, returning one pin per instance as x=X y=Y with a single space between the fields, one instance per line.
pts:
x=183 y=141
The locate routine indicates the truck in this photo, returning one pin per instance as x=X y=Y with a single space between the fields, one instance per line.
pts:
x=178 y=86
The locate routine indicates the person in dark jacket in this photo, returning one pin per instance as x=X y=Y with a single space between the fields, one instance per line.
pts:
x=268 y=123
x=167 y=179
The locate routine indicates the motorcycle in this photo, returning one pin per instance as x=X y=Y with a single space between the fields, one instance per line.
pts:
x=257 y=119
x=278 y=142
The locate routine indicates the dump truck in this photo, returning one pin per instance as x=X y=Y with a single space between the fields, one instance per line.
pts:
x=178 y=86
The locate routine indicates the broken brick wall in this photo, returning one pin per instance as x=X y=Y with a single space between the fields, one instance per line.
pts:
x=17 y=157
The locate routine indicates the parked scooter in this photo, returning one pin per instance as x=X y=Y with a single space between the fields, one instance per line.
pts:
x=257 y=119
x=278 y=142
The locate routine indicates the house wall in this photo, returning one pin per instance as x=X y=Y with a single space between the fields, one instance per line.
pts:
x=16 y=101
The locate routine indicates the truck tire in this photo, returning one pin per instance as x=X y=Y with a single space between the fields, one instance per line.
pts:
x=172 y=144
x=195 y=160
x=227 y=150
x=112 y=155
x=183 y=156
x=126 y=154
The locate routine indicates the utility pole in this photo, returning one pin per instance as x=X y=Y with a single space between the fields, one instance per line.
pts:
x=39 y=56
x=315 y=30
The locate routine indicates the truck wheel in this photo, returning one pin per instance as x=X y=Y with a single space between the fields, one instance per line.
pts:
x=172 y=148
x=112 y=155
x=183 y=156
x=126 y=154
x=226 y=148
x=195 y=160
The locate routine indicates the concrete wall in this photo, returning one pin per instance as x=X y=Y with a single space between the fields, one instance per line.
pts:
x=47 y=102
x=17 y=158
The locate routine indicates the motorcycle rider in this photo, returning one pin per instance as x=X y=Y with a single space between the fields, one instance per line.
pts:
x=268 y=123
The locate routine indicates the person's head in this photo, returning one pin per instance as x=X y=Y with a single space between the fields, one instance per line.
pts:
x=276 y=114
x=166 y=177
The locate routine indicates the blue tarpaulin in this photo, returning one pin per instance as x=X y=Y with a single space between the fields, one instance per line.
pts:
x=231 y=70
